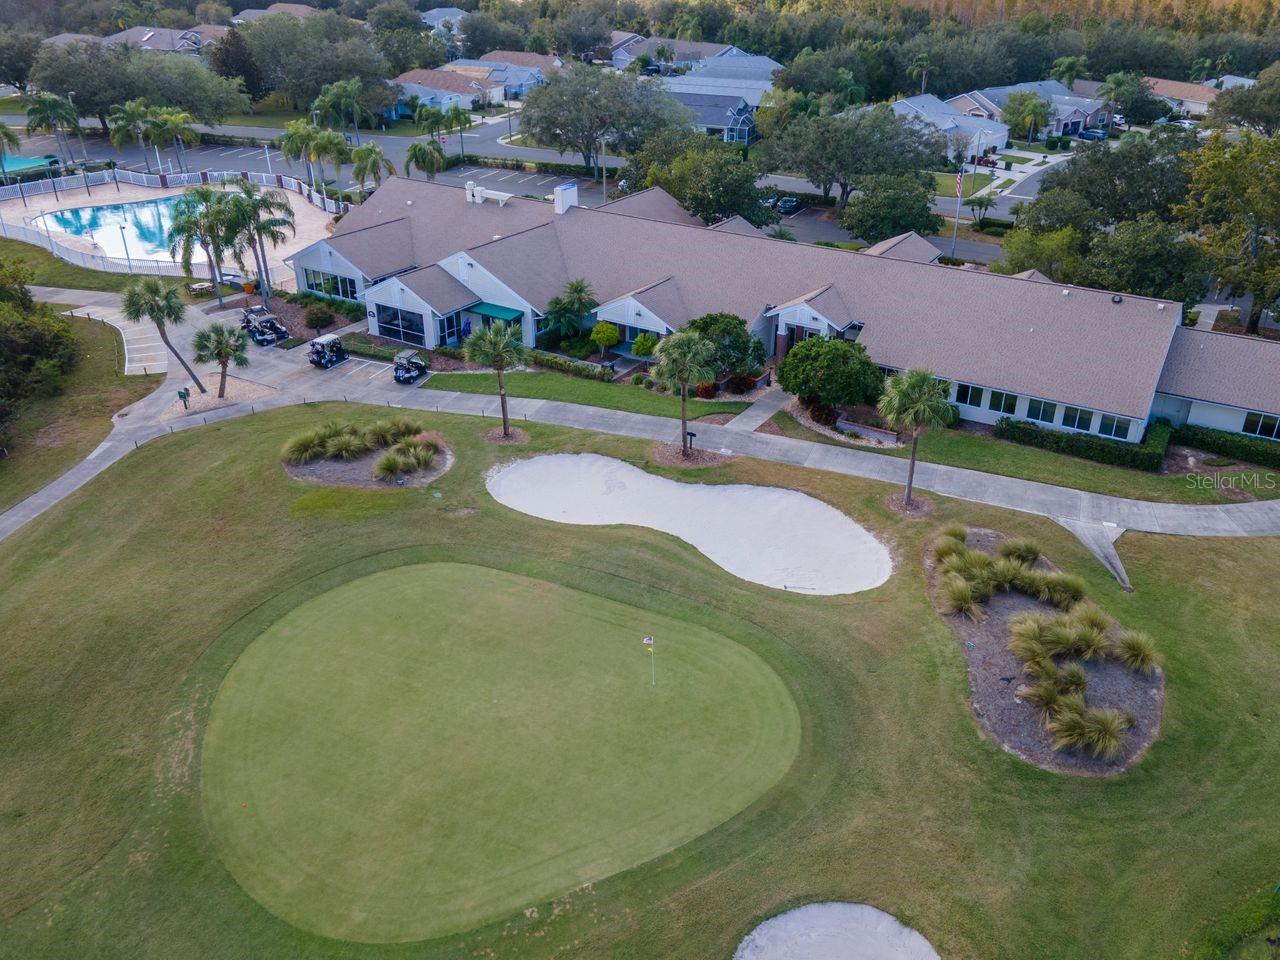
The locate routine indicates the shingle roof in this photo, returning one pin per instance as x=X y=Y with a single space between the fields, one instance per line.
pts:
x=984 y=328
x=748 y=67
x=1061 y=98
x=739 y=225
x=522 y=58
x=157 y=38
x=905 y=246
x=663 y=298
x=684 y=50
x=1223 y=368
x=437 y=287
x=446 y=80
x=62 y=39
x=377 y=251
x=1182 y=90
x=652 y=204
x=752 y=91
x=211 y=31
x=709 y=109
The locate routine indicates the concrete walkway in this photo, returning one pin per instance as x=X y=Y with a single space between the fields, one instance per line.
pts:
x=765 y=406
x=1097 y=519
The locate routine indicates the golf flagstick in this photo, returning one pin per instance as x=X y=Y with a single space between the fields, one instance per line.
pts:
x=653 y=670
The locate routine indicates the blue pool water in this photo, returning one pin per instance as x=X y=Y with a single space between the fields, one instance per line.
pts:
x=146 y=227
x=16 y=164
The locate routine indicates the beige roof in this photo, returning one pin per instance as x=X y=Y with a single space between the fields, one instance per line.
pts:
x=1223 y=368
x=1034 y=275
x=440 y=222
x=737 y=224
x=437 y=287
x=377 y=251
x=446 y=80
x=1182 y=90
x=983 y=328
x=522 y=58
x=652 y=204
x=905 y=246
x=211 y=31
x=475 y=72
x=663 y=298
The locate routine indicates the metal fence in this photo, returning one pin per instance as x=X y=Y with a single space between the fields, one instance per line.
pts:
x=86 y=181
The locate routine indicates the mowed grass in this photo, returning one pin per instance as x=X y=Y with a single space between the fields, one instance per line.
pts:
x=430 y=747
x=48 y=271
x=973 y=451
x=125 y=607
x=550 y=385
x=945 y=183
x=52 y=434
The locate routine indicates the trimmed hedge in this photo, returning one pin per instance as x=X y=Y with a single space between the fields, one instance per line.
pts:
x=554 y=361
x=359 y=345
x=1239 y=446
x=1148 y=455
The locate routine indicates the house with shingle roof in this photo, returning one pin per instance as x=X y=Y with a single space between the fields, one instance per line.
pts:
x=685 y=53
x=1189 y=99
x=1069 y=110
x=444 y=20
x=980 y=134
x=431 y=261
x=443 y=89
x=165 y=40
x=723 y=116
x=299 y=10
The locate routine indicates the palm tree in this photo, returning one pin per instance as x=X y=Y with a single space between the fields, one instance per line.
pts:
x=685 y=358
x=570 y=308
x=501 y=347
x=47 y=113
x=1201 y=69
x=458 y=118
x=979 y=205
x=330 y=145
x=298 y=143
x=200 y=219
x=222 y=344
x=429 y=119
x=128 y=121
x=1026 y=113
x=369 y=163
x=1070 y=69
x=425 y=155
x=914 y=401
x=664 y=56
x=256 y=217
x=920 y=69
x=8 y=141
x=341 y=99
x=168 y=127
x=150 y=298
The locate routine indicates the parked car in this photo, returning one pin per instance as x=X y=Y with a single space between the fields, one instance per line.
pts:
x=326 y=351
x=1119 y=120
x=1092 y=134
x=1184 y=124
x=770 y=202
x=410 y=365
x=788 y=205
x=988 y=161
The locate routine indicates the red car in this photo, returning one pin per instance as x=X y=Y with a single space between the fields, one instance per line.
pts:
x=988 y=162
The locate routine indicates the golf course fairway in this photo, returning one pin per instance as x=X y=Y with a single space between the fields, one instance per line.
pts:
x=431 y=747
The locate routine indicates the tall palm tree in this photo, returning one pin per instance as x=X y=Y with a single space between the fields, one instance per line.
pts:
x=150 y=298
x=501 y=347
x=369 y=163
x=1201 y=69
x=920 y=69
x=684 y=358
x=222 y=344
x=979 y=204
x=169 y=127
x=8 y=141
x=257 y=217
x=458 y=118
x=128 y=121
x=1070 y=69
x=340 y=100
x=200 y=219
x=47 y=113
x=570 y=309
x=299 y=143
x=330 y=145
x=425 y=155
x=915 y=401
x=428 y=119
x=664 y=56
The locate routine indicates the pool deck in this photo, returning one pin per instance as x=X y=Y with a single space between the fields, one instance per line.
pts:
x=312 y=222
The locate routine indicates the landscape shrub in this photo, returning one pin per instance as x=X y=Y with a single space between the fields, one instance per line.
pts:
x=1147 y=455
x=414 y=452
x=346 y=446
x=305 y=448
x=1072 y=679
x=960 y=596
x=637 y=380
x=390 y=466
x=455 y=353
x=605 y=335
x=1025 y=552
x=360 y=345
x=578 y=347
x=353 y=312
x=947 y=546
x=957 y=531
x=318 y=316
x=554 y=361
x=644 y=345
x=830 y=371
x=823 y=413
x=1087 y=614
x=1044 y=694
x=706 y=390
x=1240 y=446
x=1004 y=573
x=1137 y=651
x=380 y=434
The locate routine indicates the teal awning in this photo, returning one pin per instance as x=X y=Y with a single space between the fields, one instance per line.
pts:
x=495 y=312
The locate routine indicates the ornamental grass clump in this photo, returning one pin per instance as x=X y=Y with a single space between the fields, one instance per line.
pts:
x=1102 y=732
x=415 y=452
x=948 y=547
x=960 y=596
x=956 y=531
x=305 y=448
x=1137 y=651
x=1025 y=552
x=346 y=446
x=380 y=434
x=391 y=466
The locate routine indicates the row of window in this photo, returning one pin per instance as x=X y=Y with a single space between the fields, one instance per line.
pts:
x=330 y=284
x=1262 y=425
x=1044 y=411
x=397 y=324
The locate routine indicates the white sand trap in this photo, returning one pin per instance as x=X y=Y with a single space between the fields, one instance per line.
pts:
x=779 y=538
x=834 y=931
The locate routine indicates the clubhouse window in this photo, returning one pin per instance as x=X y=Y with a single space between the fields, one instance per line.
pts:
x=1073 y=418
x=968 y=395
x=1003 y=402
x=403 y=325
x=1117 y=427
x=1042 y=410
x=1262 y=425
x=330 y=284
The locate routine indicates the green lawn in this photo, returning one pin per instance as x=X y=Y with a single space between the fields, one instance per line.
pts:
x=532 y=678
x=12 y=107
x=973 y=182
x=550 y=385
x=1037 y=147
x=52 y=434
x=49 y=271
x=126 y=607
x=1014 y=158
x=960 y=448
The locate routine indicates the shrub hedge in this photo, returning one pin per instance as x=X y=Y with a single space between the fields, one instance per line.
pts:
x=554 y=361
x=359 y=345
x=1148 y=455
x=1263 y=452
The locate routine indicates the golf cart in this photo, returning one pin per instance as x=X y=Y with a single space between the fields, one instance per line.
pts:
x=263 y=327
x=326 y=351
x=409 y=366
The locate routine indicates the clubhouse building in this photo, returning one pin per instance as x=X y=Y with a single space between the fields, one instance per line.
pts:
x=430 y=262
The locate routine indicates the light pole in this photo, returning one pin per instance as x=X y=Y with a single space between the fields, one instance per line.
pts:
x=127 y=260
x=84 y=153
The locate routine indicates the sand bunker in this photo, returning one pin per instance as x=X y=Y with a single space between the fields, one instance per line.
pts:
x=767 y=535
x=834 y=931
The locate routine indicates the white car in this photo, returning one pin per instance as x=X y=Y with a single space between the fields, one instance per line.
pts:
x=1118 y=118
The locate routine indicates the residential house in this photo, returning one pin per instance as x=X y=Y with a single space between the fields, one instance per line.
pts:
x=516 y=78
x=431 y=261
x=546 y=63
x=685 y=53
x=980 y=134
x=65 y=39
x=752 y=91
x=1188 y=99
x=1230 y=81
x=443 y=89
x=161 y=38
x=299 y=10
x=1069 y=111
x=746 y=66
x=444 y=20
x=727 y=118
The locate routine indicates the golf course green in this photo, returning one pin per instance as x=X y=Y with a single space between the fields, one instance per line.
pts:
x=431 y=747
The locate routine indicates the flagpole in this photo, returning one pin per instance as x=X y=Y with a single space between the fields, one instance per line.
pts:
x=653 y=670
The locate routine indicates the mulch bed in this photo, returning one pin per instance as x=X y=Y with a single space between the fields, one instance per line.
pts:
x=494 y=435
x=668 y=455
x=359 y=472
x=919 y=508
x=1180 y=461
x=719 y=419
x=442 y=364
x=1222 y=324
x=995 y=675
x=770 y=428
x=291 y=315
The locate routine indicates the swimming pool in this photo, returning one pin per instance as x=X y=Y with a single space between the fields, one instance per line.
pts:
x=16 y=164
x=146 y=227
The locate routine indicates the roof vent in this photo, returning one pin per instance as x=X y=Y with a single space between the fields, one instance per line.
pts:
x=1066 y=293
x=1160 y=306
x=1116 y=298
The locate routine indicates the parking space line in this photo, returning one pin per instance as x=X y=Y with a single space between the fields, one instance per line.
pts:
x=489 y=174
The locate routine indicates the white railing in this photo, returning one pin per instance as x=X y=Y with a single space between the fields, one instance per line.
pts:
x=94 y=261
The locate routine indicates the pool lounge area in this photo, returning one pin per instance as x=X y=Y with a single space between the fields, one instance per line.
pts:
x=138 y=230
x=13 y=163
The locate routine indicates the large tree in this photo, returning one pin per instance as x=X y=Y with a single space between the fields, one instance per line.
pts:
x=915 y=401
x=713 y=183
x=18 y=52
x=1233 y=211
x=1147 y=257
x=1144 y=175
x=99 y=75
x=482 y=33
x=1130 y=94
x=1256 y=107
x=738 y=352
x=231 y=57
x=888 y=205
x=501 y=347
x=831 y=372
x=1026 y=114
x=1058 y=254
x=684 y=358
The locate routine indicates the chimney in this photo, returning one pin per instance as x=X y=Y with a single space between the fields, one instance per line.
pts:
x=566 y=196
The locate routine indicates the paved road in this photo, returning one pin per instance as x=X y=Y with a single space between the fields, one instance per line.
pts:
x=810 y=225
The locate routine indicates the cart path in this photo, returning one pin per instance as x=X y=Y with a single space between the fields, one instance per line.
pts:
x=1096 y=518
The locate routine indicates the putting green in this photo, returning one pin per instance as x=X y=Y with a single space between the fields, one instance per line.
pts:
x=435 y=746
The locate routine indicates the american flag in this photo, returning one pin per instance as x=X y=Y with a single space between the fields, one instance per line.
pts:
x=648 y=641
x=960 y=183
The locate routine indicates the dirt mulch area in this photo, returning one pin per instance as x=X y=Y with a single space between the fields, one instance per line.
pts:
x=291 y=315
x=358 y=473
x=442 y=364
x=668 y=455
x=770 y=428
x=719 y=419
x=920 y=508
x=995 y=675
x=239 y=390
x=1224 y=323
x=1182 y=461
x=517 y=437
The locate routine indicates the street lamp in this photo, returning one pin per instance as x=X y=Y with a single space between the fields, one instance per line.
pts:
x=84 y=153
x=127 y=260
